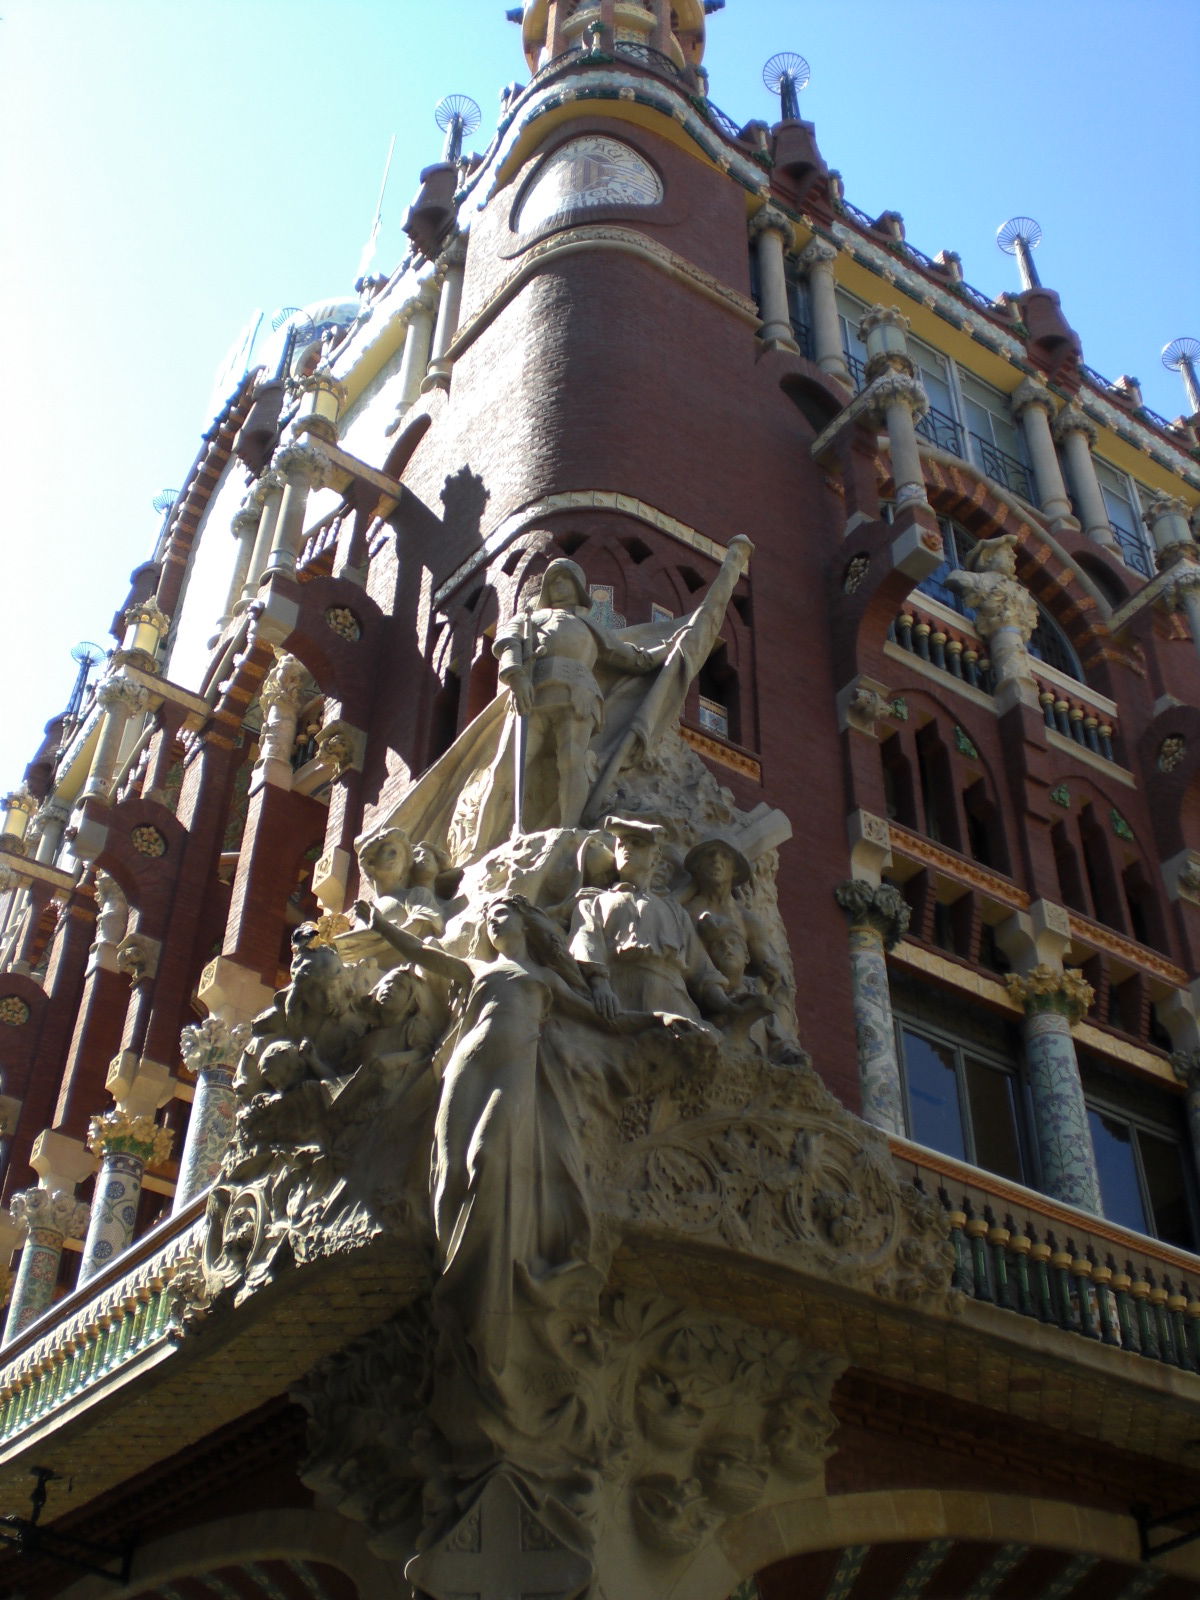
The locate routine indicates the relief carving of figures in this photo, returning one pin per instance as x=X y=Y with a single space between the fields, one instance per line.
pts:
x=1006 y=614
x=402 y=878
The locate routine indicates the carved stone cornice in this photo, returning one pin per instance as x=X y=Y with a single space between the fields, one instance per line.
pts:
x=1045 y=988
x=52 y=1211
x=878 y=907
x=1072 y=420
x=212 y=1044
x=119 y=1133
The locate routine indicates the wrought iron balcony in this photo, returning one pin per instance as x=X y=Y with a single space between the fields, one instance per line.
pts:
x=943 y=431
x=1000 y=466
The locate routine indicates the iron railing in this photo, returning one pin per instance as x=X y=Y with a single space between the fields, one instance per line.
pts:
x=644 y=55
x=942 y=431
x=1133 y=552
x=999 y=465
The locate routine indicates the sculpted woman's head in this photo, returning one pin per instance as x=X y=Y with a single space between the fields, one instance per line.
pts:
x=387 y=860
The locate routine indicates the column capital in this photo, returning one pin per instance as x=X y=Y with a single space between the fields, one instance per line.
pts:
x=245 y=520
x=60 y=1161
x=1186 y=1066
x=1072 y=420
x=876 y=908
x=271 y=482
x=284 y=685
x=1062 y=990
x=1028 y=394
x=892 y=388
x=123 y=1133
x=819 y=252
x=56 y=1210
x=120 y=693
x=880 y=316
x=454 y=253
x=300 y=466
x=211 y=1044
x=771 y=220
x=1185 y=576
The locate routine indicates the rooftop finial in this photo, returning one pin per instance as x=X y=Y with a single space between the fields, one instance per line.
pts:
x=786 y=74
x=1181 y=355
x=1020 y=237
x=457 y=115
x=85 y=655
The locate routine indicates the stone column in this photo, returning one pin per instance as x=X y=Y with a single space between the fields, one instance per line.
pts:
x=325 y=399
x=772 y=232
x=282 y=698
x=1033 y=406
x=244 y=528
x=210 y=1051
x=878 y=919
x=127 y=1139
x=1077 y=435
x=1167 y=520
x=899 y=396
x=47 y=827
x=414 y=363
x=449 y=307
x=302 y=468
x=119 y=698
x=267 y=496
x=126 y=1145
x=50 y=1217
x=818 y=256
x=1053 y=999
x=19 y=808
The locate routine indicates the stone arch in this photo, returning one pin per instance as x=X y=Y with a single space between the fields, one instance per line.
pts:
x=1049 y=572
x=258 y=1536
x=801 y=1526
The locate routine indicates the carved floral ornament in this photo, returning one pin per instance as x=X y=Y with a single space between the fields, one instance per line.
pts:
x=211 y=1044
x=119 y=1133
x=1052 y=989
x=14 y=1012
x=875 y=908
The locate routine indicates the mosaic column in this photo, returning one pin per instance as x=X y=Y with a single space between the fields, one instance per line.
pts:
x=818 y=256
x=126 y=1145
x=878 y=919
x=12 y=1236
x=1054 y=999
x=1077 y=434
x=772 y=231
x=1187 y=1070
x=51 y=1216
x=210 y=1052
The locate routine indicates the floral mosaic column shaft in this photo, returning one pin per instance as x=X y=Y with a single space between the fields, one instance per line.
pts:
x=1053 y=1000
x=210 y=1051
x=126 y=1145
x=51 y=1215
x=878 y=919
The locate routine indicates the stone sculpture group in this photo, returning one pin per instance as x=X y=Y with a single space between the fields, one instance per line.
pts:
x=564 y=1009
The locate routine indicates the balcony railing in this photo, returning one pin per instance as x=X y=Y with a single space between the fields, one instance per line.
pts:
x=1000 y=466
x=942 y=431
x=1133 y=551
x=953 y=649
x=1075 y=719
x=1025 y=1253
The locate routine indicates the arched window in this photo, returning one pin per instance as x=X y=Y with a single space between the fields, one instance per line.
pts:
x=1049 y=643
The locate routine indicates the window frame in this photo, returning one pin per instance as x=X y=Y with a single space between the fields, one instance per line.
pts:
x=997 y=1060
x=1135 y=542
x=1142 y=1119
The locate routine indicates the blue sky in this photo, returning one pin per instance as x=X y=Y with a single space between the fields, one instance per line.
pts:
x=170 y=167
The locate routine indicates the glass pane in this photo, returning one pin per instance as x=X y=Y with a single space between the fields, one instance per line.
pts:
x=1162 y=1167
x=934 y=1115
x=1120 y=1192
x=991 y=1095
